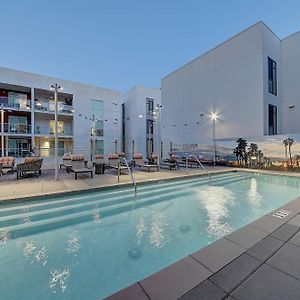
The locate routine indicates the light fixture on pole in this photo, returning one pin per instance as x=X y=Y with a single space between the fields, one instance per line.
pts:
x=56 y=88
x=2 y=131
x=157 y=116
x=214 y=118
x=93 y=156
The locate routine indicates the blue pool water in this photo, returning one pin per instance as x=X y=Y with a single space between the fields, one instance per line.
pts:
x=90 y=245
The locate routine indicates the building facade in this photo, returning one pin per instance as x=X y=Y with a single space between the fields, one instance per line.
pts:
x=84 y=113
x=249 y=82
x=140 y=121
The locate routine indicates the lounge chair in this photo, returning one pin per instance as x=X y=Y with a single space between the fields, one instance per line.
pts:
x=8 y=162
x=79 y=166
x=139 y=162
x=114 y=162
x=66 y=162
x=30 y=165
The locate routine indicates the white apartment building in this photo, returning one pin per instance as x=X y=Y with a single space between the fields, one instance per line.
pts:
x=140 y=121
x=27 y=116
x=251 y=82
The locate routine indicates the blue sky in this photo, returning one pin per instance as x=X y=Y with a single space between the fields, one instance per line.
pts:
x=119 y=43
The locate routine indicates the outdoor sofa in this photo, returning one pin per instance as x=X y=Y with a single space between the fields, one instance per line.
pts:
x=31 y=165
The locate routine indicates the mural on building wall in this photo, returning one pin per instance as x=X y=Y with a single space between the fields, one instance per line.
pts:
x=280 y=152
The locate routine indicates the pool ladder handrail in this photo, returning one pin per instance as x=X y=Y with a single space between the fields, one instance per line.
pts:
x=131 y=175
x=199 y=162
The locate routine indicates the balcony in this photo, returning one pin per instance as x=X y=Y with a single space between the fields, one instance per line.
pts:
x=49 y=130
x=22 y=105
x=17 y=128
x=50 y=107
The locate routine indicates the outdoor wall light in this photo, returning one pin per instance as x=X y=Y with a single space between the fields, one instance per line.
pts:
x=140 y=115
x=292 y=106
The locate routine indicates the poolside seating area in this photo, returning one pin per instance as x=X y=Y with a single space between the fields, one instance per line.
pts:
x=114 y=163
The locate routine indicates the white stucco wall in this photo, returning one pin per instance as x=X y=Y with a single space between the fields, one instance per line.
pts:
x=227 y=80
x=135 y=105
x=290 y=83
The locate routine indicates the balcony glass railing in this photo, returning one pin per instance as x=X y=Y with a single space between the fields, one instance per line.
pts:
x=49 y=130
x=22 y=105
x=17 y=128
x=47 y=107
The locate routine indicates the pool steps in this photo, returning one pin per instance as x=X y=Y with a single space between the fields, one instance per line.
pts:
x=32 y=217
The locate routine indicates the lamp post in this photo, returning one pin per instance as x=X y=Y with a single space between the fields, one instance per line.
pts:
x=157 y=115
x=2 y=131
x=214 y=117
x=94 y=140
x=55 y=87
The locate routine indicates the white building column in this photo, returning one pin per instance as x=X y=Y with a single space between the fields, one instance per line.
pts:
x=32 y=119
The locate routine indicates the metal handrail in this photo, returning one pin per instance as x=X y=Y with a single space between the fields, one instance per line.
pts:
x=201 y=165
x=131 y=175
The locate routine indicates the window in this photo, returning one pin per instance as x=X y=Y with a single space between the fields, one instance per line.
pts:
x=149 y=128
x=272 y=76
x=98 y=128
x=60 y=127
x=149 y=106
x=272 y=119
x=149 y=142
x=97 y=108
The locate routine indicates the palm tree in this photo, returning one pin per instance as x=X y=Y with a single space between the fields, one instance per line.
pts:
x=290 y=143
x=285 y=143
x=241 y=149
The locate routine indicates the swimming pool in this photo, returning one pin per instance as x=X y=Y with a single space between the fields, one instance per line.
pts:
x=90 y=245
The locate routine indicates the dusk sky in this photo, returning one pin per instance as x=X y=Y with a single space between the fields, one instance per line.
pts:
x=117 y=44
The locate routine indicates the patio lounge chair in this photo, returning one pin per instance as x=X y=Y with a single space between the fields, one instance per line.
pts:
x=66 y=162
x=79 y=166
x=114 y=162
x=8 y=162
x=30 y=165
x=139 y=162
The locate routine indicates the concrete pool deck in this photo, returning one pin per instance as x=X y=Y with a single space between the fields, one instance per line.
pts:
x=258 y=261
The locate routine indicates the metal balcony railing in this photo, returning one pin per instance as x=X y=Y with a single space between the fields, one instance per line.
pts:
x=49 y=130
x=46 y=107
x=23 y=105
x=17 y=128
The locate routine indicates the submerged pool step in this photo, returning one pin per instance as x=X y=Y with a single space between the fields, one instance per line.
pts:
x=101 y=196
x=79 y=206
x=96 y=215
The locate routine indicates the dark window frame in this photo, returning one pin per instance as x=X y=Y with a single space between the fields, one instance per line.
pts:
x=272 y=76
